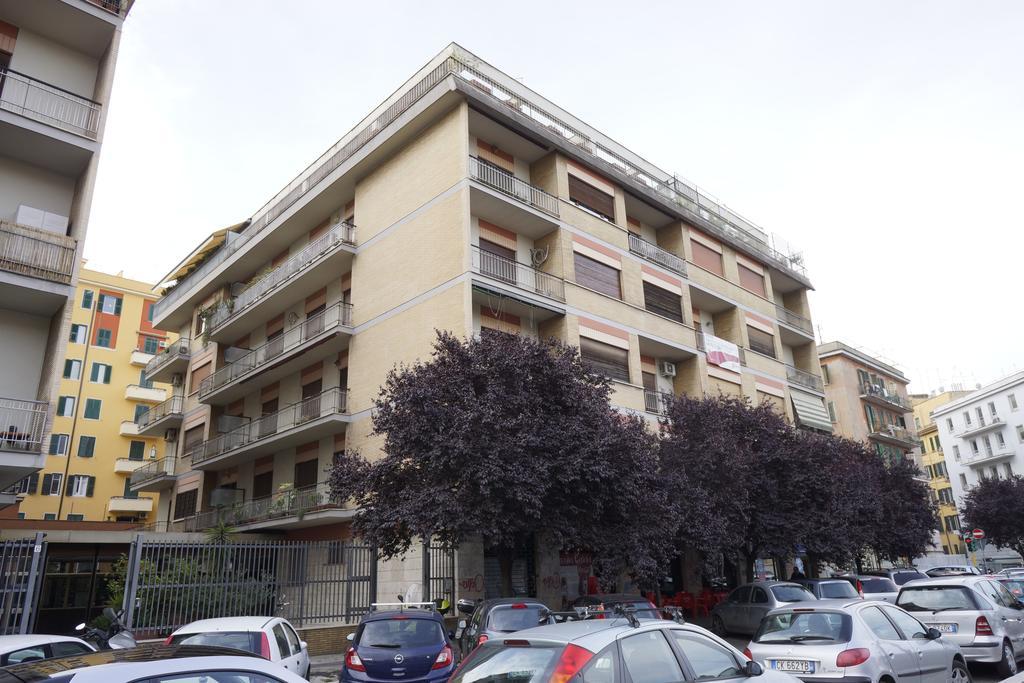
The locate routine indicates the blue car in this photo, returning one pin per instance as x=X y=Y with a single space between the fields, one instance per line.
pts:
x=401 y=642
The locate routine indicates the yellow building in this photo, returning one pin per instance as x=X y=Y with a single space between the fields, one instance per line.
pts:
x=933 y=463
x=95 y=443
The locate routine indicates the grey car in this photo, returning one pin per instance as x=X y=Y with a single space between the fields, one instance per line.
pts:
x=743 y=610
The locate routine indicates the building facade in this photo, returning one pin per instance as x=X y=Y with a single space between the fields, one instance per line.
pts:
x=464 y=202
x=95 y=443
x=56 y=67
x=867 y=400
x=982 y=435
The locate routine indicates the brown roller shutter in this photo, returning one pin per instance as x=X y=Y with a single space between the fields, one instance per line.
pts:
x=597 y=276
x=588 y=196
x=663 y=302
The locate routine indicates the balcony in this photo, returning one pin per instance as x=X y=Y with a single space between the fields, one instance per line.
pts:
x=137 y=392
x=161 y=417
x=518 y=275
x=36 y=253
x=141 y=358
x=788 y=317
x=302 y=422
x=657 y=402
x=142 y=506
x=883 y=397
x=289 y=509
x=22 y=424
x=506 y=183
x=983 y=427
x=317 y=337
x=807 y=380
x=154 y=475
x=655 y=254
x=171 y=361
x=40 y=101
x=128 y=428
x=990 y=457
x=304 y=272
x=127 y=465
x=894 y=435
x=704 y=341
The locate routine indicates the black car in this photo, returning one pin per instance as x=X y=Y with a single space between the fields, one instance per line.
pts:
x=496 y=617
x=825 y=589
x=645 y=609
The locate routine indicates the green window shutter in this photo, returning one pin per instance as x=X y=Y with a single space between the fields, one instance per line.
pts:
x=47 y=483
x=103 y=338
x=49 y=516
x=33 y=483
x=105 y=373
x=92 y=408
x=60 y=408
x=137 y=450
x=54 y=440
x=67 y=369
x=143 y=382
x=87 y=299
x=140 y=410
x=86 y=446
x=128 y=493
x=91 y=487
x=117 y=306
x=95 y=372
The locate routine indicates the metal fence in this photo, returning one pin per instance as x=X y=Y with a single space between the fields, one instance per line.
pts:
x=55 y=106
x=309 y=583
x=503 y=181
x=438 y=572
x=518 y=274
x=21 y=424
x=652 y=252
x=37 y=253
x=22 y=563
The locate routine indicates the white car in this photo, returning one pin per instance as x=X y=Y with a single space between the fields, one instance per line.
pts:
x=272 y=638
x=32 y=648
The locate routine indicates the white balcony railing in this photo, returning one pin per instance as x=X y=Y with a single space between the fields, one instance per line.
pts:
x=657 y=402
x=505 y=182
x=154 y=469
x=803 y=378
x=518 y=274
x=652 y=252
x=37 y=253
x=48 y=104
x=21 y=424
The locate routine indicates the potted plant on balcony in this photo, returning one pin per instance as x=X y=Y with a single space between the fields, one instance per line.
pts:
x=284 y=499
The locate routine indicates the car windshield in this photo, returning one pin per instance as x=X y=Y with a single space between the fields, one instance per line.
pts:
x=838 y=589
x=497 y=663
x=791 y=594
x=401 y=633
x=515 y=617
x=239 y=640
x=804 y=627
x=875 y=584
x=936 y=598
x=902 y=577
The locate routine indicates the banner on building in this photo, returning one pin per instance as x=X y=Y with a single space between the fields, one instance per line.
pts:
x=722 y=353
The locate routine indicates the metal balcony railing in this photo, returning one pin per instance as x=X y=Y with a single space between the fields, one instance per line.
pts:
x=332 y=318
x=182 y=348
x=668 y=186
x=804 y=379
x=342 y=233
x=893 y=432
x=790 y=318
x=37 y=253
x=48 y=104
x=280 y=505
x=152 y=470
x=891 y=397
x=652 y=252
x=330 y=402
x=21 y=424
x=172 y=406
x=505 y=182
x=657 y=402
x=112 y=6
x=517 y=274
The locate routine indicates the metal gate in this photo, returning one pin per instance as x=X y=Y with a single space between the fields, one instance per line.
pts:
x=22 y=563
x=438 y=572
x=170 y=584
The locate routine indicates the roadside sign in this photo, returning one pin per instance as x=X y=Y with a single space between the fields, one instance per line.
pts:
x=978 y=534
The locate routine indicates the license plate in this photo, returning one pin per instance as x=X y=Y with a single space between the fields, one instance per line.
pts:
x=799 y=666
x=944 y=628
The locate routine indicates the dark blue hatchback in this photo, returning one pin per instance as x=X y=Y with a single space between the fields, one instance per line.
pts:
x=407 y=644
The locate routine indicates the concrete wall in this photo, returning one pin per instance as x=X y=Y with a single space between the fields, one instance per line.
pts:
x=21 y=352
x=22 y=184
x=46 y=60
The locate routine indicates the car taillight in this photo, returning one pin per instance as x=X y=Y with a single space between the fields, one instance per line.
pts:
x=444 y=658
x=353 y=663
x=519 y=605
x=860 y=588
x=857 y=655
x=168 y=641
x=569 y=664
x=982 y=627
x=746 y=653
x=264 y=646
x=481 y=639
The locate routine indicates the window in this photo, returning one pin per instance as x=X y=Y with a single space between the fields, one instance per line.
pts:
x=981 y=416
x=185 y=504
x=73 y=517
x=66 y=406
x=605 y=359
x=707 y=258
x=150 y=345
x=967 y=418
x=137 y=450
x=110 y=304
x=946 y=495
x=663 y=302
x=29 y=484
x=878 y=623
x=952 y=523
x=956 y=452
x=198 y=375
x=708 y=659
x=58 y=444
x=758 y=597
x=949 y=424
x=87 y=299
x=72 y=369
x=974 y=446
x=761 y=341
x=68 y=648
x=824 y=375
x=497 y=261
x=597 y=276
x=589 y=197
x=1008 y=469
x=193 y=439
x=832 y=412
x=103 y=336
x=992 y=409
x=963 y=480
x=751 y=280
x=100 y=373
x=306 y=474
x=910 y=626
x=988 y=445
x=27 y=654
x=149 y=311
x=282 y=641
x=78 y=333
x=80 y=486
x=86 y=446
x=1020 y=433
x=49 y=516
x=649 y=659
x=1013 y=401
x=917 y=422
x=51 y=484
x=92 y=408
x=602 y=668
x=1000 y=439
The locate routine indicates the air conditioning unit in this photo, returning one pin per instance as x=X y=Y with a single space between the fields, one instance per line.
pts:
x=163 y=344
x=668 y=369
x=171 y=435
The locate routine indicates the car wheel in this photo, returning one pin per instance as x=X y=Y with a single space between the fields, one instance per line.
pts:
x=718 y=626
x=959 y=673
x=1008 y=664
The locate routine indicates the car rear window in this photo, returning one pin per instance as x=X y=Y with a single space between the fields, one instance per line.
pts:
x=401 y=633
x=805 y=627
x=933 y=598
x=248 y=641
x=509 y=618
x=498 y=663
x=791 y=594
x=838 y=589
x=902 y=577
x=876 y=584
x=1015 y=586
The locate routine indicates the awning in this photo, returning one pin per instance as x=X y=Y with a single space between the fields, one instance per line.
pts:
x=810 y=410
x=210 y=244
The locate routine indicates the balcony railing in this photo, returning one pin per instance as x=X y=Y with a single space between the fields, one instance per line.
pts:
x=179 y=349
x=657 y=402
x=518 y=274
x=790 y=318
x=884 y=431
x=48 y=104
x=172 y=406
x=21 y=424
x=36 y=253
x=880 y=392
x=280 y=505
x=332 y=318
x=342 y=233
x=668 y=186
x=505 y=182
x=804 y=379
x=330 y=402
x=652 y=252
x=152 y=470
x=112 y=6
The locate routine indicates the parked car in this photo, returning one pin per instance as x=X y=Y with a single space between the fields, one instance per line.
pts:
x=496 y=617
x=645 y=609
x=399 y=642
x=877 y=588
x=976 y=612
x=855 y=640
x=611 y=651
x=952 y=570
x=33 y=648
x=898 y=575
x=743 y=610
x=825 y=589
x=179 y=663
x=272 y=638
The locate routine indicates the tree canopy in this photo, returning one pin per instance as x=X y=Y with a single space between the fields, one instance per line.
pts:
x=997 y=507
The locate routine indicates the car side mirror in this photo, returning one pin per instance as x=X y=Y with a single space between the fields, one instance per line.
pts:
x=303 y=645
x=80 y=627
x=752 y=668
x=933 y=634
x=350 y=637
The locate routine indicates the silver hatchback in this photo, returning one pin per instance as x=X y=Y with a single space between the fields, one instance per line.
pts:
x=743 y=610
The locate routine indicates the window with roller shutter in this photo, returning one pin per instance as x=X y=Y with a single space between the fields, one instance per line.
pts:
x=597 y=276
x=589 y=197
x=663 y=302
x=761 y=341
x=185 y=504
x=605 y=359
x=707 y=258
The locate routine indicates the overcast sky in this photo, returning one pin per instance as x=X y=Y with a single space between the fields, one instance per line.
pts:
x=884 y=139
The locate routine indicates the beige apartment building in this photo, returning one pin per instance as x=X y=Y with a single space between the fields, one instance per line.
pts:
x=464 y=202
x=867 y=400
x=57 y=62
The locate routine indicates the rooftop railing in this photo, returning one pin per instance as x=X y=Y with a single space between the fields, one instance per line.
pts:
x=37 y=253
x=652 y=252
x=518 y=274
x=172 y=406
x=804 y=378
x=182 y=348
x=279 y=505
x=48 y=104
x=790 y=318
x=21 y=424
x=152 y=470
x=505 y=182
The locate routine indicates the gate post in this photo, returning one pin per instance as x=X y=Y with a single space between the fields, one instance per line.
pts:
x=426 y=570
x=33 y=585
x=373 y=574
x=131 y=580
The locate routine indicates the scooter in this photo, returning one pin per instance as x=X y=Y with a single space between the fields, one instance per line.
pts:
x=115 y=637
